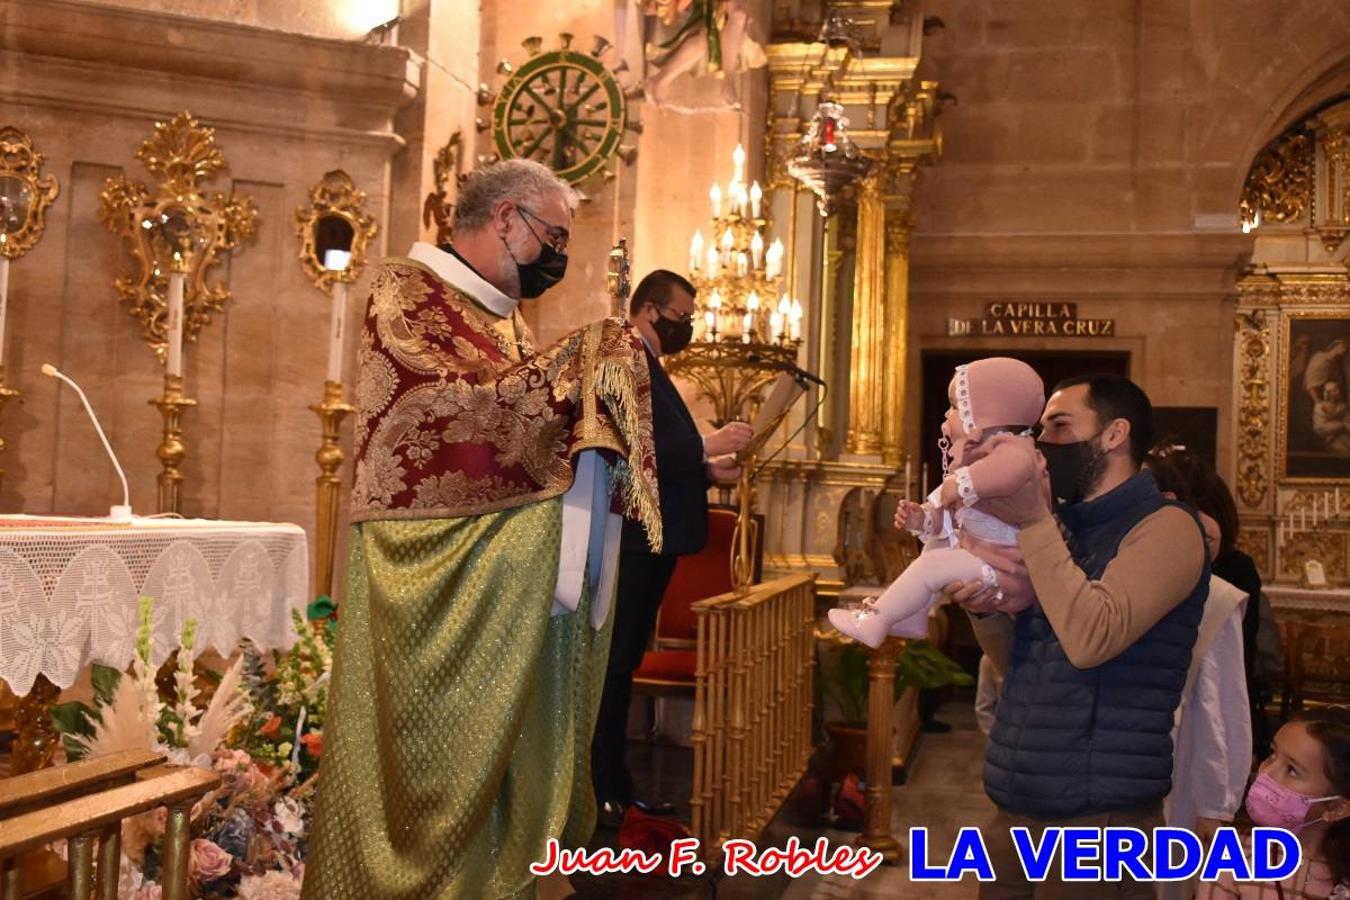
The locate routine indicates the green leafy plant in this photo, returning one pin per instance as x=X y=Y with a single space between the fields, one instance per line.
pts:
x=927 y=668
x=843 y=679
x=920 y=665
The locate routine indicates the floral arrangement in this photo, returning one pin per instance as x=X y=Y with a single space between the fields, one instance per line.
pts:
x=261 y=729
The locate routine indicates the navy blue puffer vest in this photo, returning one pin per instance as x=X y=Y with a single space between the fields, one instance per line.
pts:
x=1071 y=742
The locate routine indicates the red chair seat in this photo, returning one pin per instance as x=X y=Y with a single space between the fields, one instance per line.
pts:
x=667 y=666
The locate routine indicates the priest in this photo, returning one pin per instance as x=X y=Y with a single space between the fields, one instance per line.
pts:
x=476 y=617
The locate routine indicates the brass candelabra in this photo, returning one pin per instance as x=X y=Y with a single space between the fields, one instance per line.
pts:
x=172 y=449
x=329 y=456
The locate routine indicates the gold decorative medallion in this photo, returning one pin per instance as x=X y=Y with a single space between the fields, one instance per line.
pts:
x=25 y=193
x=335 y=220
x=177 y=228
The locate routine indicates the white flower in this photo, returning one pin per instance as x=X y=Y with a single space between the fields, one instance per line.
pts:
x=290 y=815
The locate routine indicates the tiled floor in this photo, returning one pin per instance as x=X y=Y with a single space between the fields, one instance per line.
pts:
x=944 y=792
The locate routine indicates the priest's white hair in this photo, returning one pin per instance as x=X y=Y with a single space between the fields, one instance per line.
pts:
x=518 y=180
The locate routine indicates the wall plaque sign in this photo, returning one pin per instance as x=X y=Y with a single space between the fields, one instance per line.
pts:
x=1031 y=319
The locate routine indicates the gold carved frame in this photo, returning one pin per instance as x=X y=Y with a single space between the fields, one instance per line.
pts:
x=335 y=219
x=177 y=228
x=21 y=175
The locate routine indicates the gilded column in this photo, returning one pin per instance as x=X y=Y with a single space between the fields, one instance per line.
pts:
x=896 y=356
x=827 y=323
x=866 y=384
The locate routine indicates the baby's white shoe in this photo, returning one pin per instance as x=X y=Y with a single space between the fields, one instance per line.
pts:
x=864 y=624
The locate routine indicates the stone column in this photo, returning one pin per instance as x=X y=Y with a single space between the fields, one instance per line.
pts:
x=866 y=384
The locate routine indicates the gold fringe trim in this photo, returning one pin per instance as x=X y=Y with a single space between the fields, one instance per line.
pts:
x=616 y=385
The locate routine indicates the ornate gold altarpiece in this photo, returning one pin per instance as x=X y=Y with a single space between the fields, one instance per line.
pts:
x=851 y=270
x=1294 y=505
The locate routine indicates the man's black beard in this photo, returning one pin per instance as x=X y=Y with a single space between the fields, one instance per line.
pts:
x=1093 y=473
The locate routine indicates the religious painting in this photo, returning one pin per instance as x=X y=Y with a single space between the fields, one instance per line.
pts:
x=1315 y=425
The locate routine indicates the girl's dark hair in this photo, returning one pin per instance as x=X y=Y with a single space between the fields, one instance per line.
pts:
x=1331 y=727
x=1203 y=488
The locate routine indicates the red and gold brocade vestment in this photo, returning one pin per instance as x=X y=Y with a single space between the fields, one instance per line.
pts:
x=464 y=692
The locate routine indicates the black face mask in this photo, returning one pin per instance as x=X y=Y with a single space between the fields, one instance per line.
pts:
x=538 y=276
x=673 y=334
x=548 y=268
x=1074 y=468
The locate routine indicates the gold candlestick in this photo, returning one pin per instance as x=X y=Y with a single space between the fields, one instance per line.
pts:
x=171 y=449
x=331 y=412
x=6 y=393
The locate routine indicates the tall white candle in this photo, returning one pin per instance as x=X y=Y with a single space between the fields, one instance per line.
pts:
x=909 y=484
x=738 y=160
x=923 y=480
x=336 y=261
x=773 y=265
x=757 y=250
x=695 y=251
x=728 y=241
x=715 y=195
x=712 y=260
x=756 y=199
x=173 y=361
x=742 y=265
x=335 y=319
x=747 y=326
x=4 y=301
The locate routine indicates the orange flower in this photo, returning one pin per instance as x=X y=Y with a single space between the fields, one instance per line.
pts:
x=272 y=728
x=313 y=742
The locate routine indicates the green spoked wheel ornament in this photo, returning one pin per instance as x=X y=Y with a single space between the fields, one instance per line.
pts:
x=564 y=109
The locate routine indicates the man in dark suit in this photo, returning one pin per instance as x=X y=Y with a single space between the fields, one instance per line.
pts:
x=687 y=463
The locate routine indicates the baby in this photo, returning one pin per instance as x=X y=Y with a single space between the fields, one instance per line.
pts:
x=988 y=452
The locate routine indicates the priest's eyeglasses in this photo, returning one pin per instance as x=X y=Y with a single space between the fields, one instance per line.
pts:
x=554 y=235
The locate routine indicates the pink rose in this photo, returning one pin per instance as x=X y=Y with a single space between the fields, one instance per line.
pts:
x=209 y=861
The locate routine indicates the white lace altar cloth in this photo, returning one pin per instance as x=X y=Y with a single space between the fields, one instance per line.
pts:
x=70 y=590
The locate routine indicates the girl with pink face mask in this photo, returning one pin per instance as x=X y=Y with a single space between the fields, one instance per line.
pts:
x=1303 y=786
x=988 y=453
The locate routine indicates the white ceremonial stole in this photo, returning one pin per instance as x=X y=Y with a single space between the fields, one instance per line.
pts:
x=590 y=541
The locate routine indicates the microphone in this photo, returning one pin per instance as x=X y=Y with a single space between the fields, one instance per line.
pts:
x=796 y=370
x=117 y=513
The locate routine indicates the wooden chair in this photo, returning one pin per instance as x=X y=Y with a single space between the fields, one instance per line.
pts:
x=668 y=668
x=1315 y=669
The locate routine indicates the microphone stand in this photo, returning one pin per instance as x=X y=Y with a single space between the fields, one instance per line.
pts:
x=171 y=448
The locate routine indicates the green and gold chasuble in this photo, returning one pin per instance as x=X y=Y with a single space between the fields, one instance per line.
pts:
x=461 y=710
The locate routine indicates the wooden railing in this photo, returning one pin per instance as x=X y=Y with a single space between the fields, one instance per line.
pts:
x=753 y=696
x=84 y=803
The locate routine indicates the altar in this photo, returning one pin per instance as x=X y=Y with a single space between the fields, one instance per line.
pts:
x=70 y=592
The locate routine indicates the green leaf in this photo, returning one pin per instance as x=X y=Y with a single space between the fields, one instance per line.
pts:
x=73 y=718
x=105 y=680
x=322 y=607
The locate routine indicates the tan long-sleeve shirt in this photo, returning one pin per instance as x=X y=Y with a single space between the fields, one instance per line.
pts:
x=1156 y=567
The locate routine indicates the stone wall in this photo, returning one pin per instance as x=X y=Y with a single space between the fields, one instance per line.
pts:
x=1095 y=154
x=87 y=83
